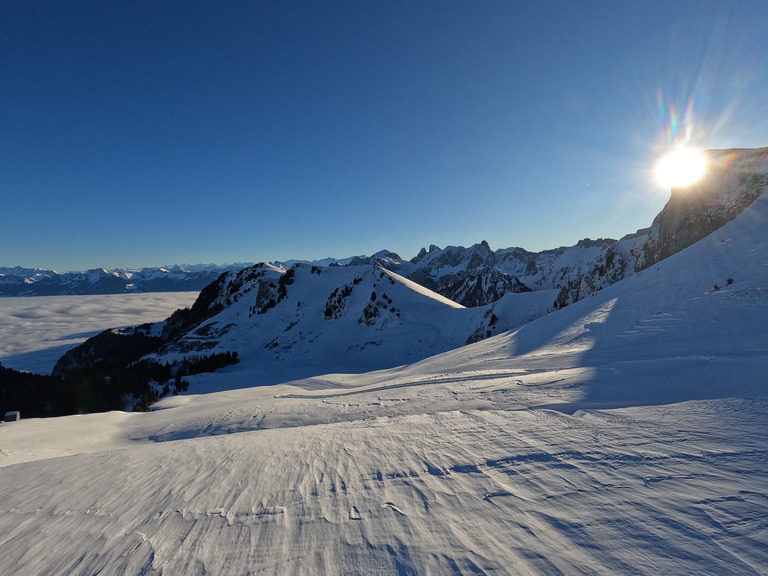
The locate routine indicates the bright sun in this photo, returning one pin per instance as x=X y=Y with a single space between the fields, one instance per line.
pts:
x=680 y=167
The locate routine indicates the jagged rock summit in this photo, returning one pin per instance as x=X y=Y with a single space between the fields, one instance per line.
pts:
x=733 y=180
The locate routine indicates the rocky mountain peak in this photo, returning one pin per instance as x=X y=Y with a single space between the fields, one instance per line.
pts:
x=733 y=180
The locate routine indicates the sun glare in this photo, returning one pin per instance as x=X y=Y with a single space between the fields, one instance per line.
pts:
x=680 y=167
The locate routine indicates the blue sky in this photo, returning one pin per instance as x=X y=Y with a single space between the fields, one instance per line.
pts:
x=141 y=133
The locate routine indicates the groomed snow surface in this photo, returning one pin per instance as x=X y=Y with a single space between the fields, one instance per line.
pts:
x=624 y=434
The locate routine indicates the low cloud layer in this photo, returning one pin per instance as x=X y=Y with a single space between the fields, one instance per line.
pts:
x=36 y=331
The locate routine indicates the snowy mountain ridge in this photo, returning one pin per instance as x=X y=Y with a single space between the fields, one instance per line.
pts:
x=472 y=276
x=285 y=321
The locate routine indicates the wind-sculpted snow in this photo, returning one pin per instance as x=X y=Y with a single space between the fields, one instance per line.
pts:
x=677 y=489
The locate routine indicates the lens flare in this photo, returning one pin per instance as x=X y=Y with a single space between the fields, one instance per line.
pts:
x=676 y=126
x=681 y=167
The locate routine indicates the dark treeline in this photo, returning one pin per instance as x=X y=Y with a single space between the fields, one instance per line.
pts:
x=109 y=371
x=34 y=395
x=101 y=386
x=208 y=363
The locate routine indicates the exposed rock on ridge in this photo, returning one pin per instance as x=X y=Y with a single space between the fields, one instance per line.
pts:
x=733 y=180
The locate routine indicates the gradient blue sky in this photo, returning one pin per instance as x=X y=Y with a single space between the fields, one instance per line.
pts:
x=141 y=133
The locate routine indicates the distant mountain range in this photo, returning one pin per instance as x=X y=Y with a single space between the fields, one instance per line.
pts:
x=477 y=275
x=20 y=281
x=472 y=276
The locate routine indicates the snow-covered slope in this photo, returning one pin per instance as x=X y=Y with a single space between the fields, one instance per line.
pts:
x=508 y=456
x=304 y=320
x=288 y=323
x=678 y=489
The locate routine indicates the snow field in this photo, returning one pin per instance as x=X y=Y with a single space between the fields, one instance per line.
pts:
x=674 y=489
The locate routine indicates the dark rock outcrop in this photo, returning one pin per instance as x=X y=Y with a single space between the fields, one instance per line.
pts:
x=734 y=179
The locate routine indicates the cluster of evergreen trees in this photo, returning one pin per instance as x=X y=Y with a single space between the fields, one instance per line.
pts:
x=334 y=306
x=34 y=395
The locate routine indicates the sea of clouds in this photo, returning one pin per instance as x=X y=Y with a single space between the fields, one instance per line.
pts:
x=36 y=331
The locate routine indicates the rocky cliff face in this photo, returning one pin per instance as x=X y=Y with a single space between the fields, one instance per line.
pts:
x=473 y=288
x=477 y=276
x=470 y=276
x=733 y=180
